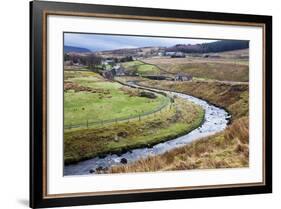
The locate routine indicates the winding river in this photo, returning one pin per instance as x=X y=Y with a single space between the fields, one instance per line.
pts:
x=216 y=120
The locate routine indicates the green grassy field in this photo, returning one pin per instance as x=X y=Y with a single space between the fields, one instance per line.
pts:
x=82 y=144
x=103 y=100
x=132 y=63
x=141 y=68
x=87 y=96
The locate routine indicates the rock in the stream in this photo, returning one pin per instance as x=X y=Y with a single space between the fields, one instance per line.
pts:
x=124 y=161
x=119 y=154
x=101 y=169
x=92 y=171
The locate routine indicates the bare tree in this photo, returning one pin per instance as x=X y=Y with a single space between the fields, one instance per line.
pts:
x=92 y=61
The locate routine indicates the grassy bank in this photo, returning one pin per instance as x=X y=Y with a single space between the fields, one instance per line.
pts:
x=228 y=149
x=180 y=119
x=232 y=97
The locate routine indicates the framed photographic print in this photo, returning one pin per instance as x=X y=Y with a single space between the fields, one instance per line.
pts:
x=140 y=104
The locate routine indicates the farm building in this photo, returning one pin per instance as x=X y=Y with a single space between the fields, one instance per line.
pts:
x=169 y=53
x=108 y=62
x=175 y=54
x=118 y=70
x=183 y=77
x=108 y=75
x=178 y=55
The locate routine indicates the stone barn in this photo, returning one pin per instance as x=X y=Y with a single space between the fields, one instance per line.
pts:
x=183 y=77
x=108 y=75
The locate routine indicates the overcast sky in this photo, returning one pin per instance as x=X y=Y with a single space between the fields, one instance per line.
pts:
x=95 y=42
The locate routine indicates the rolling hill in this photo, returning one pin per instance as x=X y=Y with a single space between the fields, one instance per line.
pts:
x=75 y=49
x=217 y=46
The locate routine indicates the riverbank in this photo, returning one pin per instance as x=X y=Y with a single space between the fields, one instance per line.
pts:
x=233 y=97
x=117 y=138
x=226 y=149
x=215 y=120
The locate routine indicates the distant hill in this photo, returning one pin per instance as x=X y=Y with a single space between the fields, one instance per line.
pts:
x=68 y=49
x=217 y=46
x=212 y=47
x=142 y=51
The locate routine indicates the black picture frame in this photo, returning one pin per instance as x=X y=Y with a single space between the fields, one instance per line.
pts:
x=38 y=12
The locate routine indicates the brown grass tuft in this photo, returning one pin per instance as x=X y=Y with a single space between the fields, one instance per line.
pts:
x=238 y=130
x=228 y=149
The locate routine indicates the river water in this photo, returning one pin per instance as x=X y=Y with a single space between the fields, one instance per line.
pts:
x=216 y=120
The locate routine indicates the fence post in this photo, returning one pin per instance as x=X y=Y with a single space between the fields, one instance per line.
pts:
x=87 y=123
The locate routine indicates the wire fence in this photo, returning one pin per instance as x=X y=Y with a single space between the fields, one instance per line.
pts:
x=90 y=123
